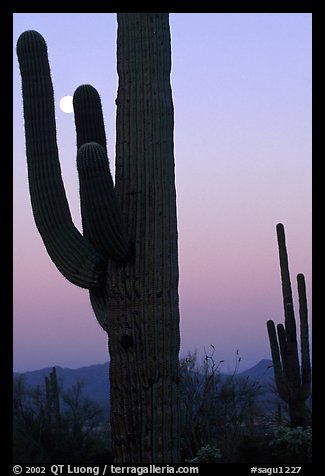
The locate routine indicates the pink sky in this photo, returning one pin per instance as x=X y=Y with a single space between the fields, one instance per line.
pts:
x=242 y=96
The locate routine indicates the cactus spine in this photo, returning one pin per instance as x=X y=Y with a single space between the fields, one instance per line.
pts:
x=293 y=382
x=127 y=255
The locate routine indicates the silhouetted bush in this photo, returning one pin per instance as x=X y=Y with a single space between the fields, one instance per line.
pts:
x=216 y=410
x=293 y=445
x=81 y=435
x=206 y=454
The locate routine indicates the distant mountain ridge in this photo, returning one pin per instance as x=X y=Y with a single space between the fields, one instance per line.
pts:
x=263 y=371
x=96 y=378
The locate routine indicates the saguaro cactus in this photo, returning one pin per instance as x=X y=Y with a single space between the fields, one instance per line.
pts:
x=53 y=403
x=293 y=382
x=127 y=255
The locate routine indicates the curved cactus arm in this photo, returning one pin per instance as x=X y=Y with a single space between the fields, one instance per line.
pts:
x=277 y=365
x=88 y=116
x=304 y=337
x=99 y=305
x=72 y=254
x=101 y=217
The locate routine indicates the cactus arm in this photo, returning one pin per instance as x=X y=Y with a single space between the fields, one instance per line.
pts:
x=99 y=305
x=284 y=265
x=290 y=322
x=72 y=254
x=277 y=365
x=88 y=116
x=304 y=336
x=101 y=217
x=283 y=349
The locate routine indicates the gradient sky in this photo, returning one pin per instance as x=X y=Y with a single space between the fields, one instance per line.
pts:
x=242 y=95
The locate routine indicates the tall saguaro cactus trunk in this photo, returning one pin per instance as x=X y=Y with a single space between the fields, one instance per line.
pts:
x=292 y=379
x=127 y=256
x=143 y=317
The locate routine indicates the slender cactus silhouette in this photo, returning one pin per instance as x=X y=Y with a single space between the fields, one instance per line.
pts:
x=292 y=380
x=127 y=256
x=52 y=407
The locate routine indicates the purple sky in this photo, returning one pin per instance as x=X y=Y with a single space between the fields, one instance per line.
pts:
x=242 y=96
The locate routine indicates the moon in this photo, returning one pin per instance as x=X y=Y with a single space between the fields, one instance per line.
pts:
x=66 y=104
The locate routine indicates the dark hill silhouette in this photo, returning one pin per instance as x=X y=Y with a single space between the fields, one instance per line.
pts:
x=96 y=378
x=262 y=372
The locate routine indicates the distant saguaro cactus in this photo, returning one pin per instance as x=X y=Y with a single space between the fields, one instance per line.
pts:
x=293 y=382
x=52 y=407
x=127 y=255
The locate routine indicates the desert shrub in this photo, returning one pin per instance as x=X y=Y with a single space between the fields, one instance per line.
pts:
x=216 y=410
x=206 y=454
x=39 y=436
x=292 y=445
